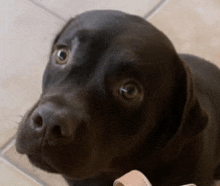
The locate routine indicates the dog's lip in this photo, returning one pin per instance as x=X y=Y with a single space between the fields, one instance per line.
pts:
x=20 y=150
x=39 y=162
x=26 y=149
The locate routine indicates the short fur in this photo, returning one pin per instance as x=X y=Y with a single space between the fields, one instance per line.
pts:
x=82 y=128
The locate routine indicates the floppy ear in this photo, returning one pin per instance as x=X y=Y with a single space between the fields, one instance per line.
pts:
x=194 y=120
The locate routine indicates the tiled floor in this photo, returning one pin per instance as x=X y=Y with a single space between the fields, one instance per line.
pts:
x=27 y=28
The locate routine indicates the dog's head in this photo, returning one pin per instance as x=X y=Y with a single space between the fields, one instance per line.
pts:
x=112 y=84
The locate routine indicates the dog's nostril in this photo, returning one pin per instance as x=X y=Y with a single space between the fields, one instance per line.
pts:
x=57 y=130
x=37 y=121
x=49 y=121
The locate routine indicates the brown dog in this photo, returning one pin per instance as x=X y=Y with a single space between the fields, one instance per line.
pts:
x=116 y=97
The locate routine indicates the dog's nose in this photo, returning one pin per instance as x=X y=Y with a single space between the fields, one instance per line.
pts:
x=51 y=121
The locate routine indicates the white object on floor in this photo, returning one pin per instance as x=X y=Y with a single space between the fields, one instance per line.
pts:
x=135 y=178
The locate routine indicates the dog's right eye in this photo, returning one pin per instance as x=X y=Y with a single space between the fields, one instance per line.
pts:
x=62 y=56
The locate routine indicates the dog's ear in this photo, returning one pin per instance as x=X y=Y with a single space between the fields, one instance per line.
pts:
x=193 y=121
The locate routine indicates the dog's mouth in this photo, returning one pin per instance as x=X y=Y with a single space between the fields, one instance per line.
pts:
x=69 y=165
x=72 y=168
x=40 y=163
x=70 y=157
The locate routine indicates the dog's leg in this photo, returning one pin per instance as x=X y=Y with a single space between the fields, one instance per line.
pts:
x=217 y=172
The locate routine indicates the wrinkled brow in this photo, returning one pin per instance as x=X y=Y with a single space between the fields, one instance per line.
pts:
x=64 y=28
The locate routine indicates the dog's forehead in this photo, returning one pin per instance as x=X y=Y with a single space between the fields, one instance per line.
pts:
x=105 y=29
x=99 y=19
x=106 y=22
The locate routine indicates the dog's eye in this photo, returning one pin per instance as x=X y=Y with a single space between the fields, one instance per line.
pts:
x=129 y=91
x=62 y=56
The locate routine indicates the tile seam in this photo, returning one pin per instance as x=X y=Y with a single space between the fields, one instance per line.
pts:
x=22 y=171
x=18 y=167
x=47 y=10
x=155 y=9
x=146 y=16
x=7 y=144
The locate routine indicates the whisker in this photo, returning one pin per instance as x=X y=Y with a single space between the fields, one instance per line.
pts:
x=14 y=121
x=20 y=116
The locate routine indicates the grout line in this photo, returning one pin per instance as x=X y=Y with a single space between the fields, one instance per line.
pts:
x=7 y=145
x=22 y=171
x=15 y=165
x=155 y=9
x=48 y=10
x=146 y=16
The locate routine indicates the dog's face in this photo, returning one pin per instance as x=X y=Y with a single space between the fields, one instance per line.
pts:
x=110 y=84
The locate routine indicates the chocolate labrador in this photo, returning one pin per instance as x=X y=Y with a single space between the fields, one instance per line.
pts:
x=116 y=96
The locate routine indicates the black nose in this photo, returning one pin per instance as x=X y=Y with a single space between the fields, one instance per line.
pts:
x=51 y=121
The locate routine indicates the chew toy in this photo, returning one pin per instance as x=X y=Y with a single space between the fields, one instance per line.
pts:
x=135 y=178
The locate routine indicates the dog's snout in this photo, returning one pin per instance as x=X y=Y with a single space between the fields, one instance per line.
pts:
x=50 y=121
x=37 y=121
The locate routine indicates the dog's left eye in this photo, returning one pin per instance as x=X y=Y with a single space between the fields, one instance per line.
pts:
x=129 y=91
x=62 y=56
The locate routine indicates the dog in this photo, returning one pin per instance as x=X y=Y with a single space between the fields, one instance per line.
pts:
x=116 y=96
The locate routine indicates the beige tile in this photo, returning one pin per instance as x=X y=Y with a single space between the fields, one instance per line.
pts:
x=10 y=176
x=26 y=32
x=192 y=25
x=7 y=130
x=22 y=161
x=67 y=8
